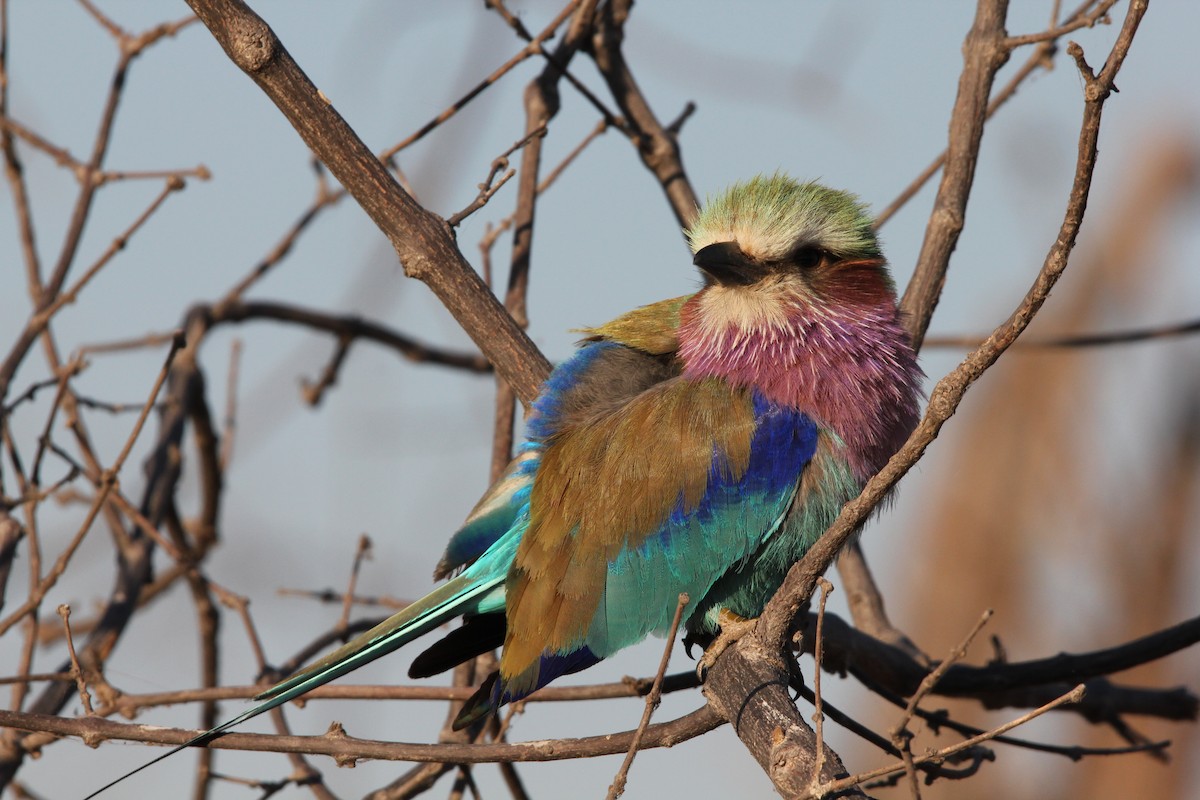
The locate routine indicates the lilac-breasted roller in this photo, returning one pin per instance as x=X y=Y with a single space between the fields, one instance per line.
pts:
x=699 y=444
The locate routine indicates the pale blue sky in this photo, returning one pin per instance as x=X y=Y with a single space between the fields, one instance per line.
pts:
x=856 y=94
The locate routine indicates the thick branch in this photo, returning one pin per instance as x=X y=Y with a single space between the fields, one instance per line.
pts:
x=338 y=745
x=1027 y=684
x=753 y=696
x=657 y=145
x=984 y=53
x=422 y=240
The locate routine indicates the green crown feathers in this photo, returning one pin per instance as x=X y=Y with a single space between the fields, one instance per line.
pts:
x=769 y=216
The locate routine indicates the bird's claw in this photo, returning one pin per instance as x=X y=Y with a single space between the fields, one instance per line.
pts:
x=733 y=627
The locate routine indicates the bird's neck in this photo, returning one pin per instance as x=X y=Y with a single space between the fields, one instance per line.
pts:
x=846 y=364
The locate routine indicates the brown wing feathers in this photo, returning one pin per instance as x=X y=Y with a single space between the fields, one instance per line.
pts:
x=606 y=483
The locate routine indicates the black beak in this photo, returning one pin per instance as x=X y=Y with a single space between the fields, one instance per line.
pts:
x=727 y=264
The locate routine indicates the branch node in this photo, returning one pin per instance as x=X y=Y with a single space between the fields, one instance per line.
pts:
x=252 y=43
x=337 y=732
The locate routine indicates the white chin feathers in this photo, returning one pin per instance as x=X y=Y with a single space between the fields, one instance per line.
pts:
x=766 y=305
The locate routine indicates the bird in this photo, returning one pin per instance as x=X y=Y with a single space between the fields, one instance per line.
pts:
x=698 y=445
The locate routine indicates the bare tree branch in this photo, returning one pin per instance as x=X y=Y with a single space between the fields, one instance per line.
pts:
x=93 y=730
x=422 y=240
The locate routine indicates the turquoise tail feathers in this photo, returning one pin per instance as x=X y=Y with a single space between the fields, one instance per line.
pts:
x=442 y=604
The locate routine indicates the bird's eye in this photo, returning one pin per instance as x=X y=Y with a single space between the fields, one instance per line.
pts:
x=808 y=257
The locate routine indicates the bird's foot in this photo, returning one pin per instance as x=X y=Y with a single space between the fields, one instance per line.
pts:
x=733 y=627
x=692 y=639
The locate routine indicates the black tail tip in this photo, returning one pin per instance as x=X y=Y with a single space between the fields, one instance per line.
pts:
x=479 y=705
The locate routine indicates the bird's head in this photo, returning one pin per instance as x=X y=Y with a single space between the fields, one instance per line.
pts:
x=771 y=243
x=798 y=306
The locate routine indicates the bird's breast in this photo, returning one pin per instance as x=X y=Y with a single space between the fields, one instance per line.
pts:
x=849 y=369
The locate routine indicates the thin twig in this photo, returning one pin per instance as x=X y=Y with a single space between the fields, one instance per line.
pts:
x=1041 y=58
x=241 y=606
x=14 y=173
x=534 y=47
x=938 y=719
x=658 y=734
x=1073 y=696
x=818 y=709
x=65 y=373
x=36 y=677
x=900 y=735
x=199 y=172
x=1131 y=336
x=486 y=191
x=114 y=30
x=935 y=676
x=617 y=788
x=229 y=425
x=314 y=391
x=1098 y=14
x=326 y=198
x=46 y=311
x=490 y=186
x=581 y=23
x=361 y=553
x=108 y=482
x=85 y=697
x=334 y=596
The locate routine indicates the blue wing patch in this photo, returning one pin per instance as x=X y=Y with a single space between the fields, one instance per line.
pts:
x=695 y=547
